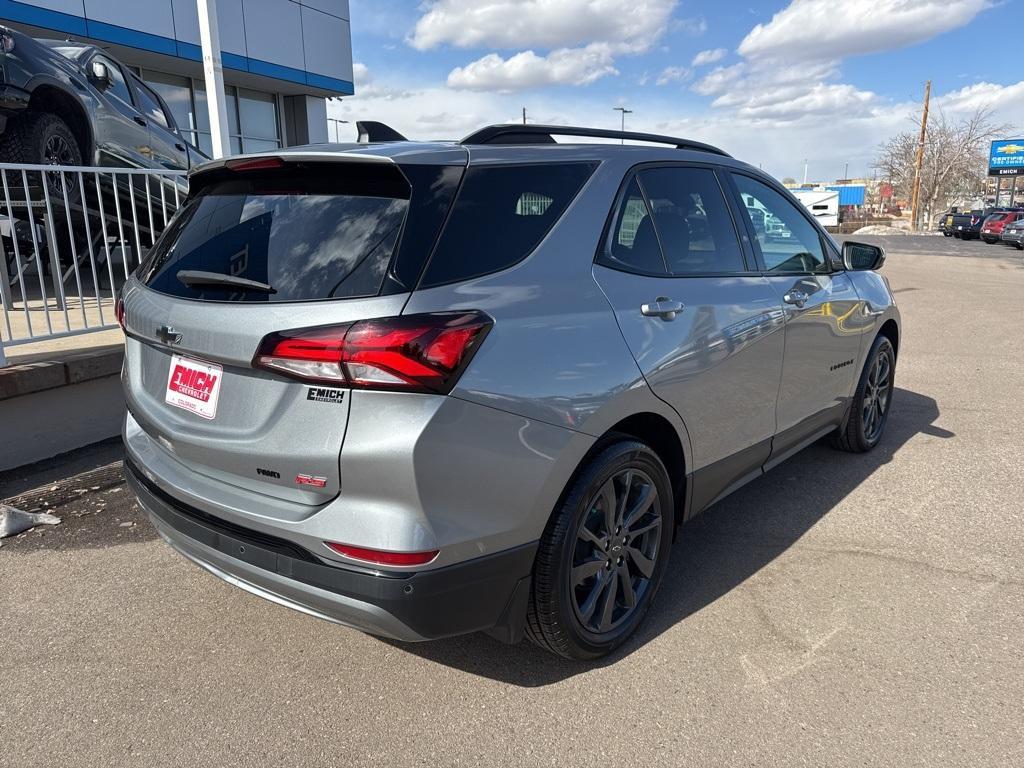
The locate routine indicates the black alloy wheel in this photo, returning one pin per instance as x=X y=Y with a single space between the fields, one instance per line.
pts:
x=617 y=545
x=604 y=552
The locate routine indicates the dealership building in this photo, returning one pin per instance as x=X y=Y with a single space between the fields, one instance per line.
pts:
x=281 y=58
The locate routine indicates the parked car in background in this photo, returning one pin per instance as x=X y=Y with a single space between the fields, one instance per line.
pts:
x=69 y=103
x=967 y=224
x=1013 y=233
x=945 y=225
x=424 y=389
x=992 y=228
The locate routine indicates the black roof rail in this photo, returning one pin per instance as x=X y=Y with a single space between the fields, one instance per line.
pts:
x=372 y=132
x=513 y=133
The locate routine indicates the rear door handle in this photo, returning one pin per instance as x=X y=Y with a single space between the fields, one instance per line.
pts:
x=662 y=307
x=179 y=146
x=139 y=120
x=797 y=297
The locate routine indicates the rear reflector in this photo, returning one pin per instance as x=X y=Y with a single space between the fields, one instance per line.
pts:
x=119 y=312
x=419 y=353
x=382 y=557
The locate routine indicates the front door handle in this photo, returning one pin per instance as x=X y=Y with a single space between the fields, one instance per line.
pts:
x=662 y=307
x=797 y=297
x=139 y=120
x=179 y=146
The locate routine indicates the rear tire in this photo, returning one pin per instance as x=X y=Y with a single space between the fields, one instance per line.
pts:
x=990 y=241
x=872 y=401
x=603 y=554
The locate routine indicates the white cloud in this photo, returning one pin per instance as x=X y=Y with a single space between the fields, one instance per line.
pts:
x=695 y=26
x=360 y=73
x=718 y=79
x=709 y=57
x=565 y=66
x=813 y=29
x=674 y=75
x=512 y=24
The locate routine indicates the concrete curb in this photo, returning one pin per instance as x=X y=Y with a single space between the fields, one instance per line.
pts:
x=71 y=368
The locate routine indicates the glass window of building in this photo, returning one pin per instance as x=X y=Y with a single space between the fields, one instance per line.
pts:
x=253 y=121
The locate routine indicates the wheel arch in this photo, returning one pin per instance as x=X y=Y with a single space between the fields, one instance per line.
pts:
x=891 y=330
x=663 y=438
x=49 y=97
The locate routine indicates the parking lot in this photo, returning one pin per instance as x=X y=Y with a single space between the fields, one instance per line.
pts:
x=842 y=610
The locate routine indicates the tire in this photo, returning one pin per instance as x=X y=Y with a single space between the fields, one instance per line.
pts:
x=947 y=234
x=1020 y=246
x=42 y=138
x=990 y=241
x=864 y=428
x=591 y=618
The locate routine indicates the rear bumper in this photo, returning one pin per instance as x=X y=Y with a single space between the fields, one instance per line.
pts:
x=486 y=593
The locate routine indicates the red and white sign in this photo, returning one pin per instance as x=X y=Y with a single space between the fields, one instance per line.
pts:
x=194 y=386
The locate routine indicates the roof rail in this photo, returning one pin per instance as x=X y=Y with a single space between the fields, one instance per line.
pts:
x=513 y=133
x=372 y=132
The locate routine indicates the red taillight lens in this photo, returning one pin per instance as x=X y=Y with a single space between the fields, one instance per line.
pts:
x=119 y=312
x=382 y=557
x=424 y=353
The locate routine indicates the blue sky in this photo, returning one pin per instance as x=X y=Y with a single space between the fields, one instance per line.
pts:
x=772 y=82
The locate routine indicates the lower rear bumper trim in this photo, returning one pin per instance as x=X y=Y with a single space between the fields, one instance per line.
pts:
x=453 y=600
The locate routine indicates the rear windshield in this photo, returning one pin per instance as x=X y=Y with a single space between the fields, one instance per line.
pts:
x=301 y=236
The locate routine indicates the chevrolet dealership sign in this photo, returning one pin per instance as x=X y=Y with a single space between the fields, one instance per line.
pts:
x=1006 y=158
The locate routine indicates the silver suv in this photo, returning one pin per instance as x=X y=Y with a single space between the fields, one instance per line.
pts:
x=424 y=389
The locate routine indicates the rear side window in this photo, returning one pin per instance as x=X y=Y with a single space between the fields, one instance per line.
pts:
x=693 y=222
x=500 y=215
x=307 y=236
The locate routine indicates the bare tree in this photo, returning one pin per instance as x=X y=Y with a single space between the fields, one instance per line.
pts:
x=955 y=162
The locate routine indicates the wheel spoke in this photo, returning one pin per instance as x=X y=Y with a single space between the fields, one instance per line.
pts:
x=643 y=563
x=589 y=536
x=635 y=532
x=628 y=595
x=620 y=510
x=608 y=607
x=607 y=497
x=647 y=498
x=587 y=570
x=589 y=605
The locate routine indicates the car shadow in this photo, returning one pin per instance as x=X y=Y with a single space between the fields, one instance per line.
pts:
x=714 y=553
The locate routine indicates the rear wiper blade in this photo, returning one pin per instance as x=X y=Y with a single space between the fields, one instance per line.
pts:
x=196 y=277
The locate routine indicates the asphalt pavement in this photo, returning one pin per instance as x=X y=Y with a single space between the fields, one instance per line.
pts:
x=843 y=610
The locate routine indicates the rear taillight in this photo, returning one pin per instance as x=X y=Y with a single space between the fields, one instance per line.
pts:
x=422 y=353
x=382 y=557
x=119 y=312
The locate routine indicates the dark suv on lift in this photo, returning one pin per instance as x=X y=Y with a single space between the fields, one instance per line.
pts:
x=69 y=103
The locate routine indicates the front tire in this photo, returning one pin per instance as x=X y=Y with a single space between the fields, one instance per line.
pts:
x=603 y=554
x=871 y=402
x=990 y=241
x=42 y=138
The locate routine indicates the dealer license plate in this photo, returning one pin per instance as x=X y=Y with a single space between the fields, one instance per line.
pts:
x=194 y=386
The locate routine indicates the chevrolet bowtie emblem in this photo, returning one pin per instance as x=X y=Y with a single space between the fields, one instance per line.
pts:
x=168 y=335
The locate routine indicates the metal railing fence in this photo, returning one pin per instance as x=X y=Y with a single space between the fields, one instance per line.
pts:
x=71 y=236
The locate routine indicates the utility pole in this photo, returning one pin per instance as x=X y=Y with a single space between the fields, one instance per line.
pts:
x=915 y=199
x=805 y=172
x=209 y=36
x=846 y=172
x=524 y=115
x=624 y=112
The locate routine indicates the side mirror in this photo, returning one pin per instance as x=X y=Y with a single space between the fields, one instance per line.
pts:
x=100 y=74
x=859 y=257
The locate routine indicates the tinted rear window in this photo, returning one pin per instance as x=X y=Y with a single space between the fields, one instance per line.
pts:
x=308 y=236
x=500 y=215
